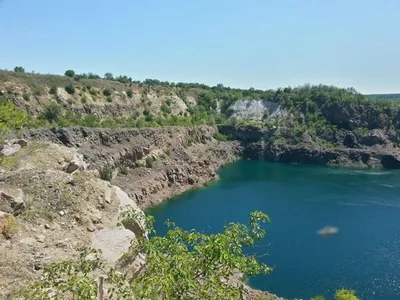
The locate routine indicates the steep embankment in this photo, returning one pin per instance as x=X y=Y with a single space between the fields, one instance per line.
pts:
x=55 y=204
x=51 y=208
x=150 y=164
x=103 y=98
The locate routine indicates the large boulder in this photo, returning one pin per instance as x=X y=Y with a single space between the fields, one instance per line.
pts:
x=350 y=140
x=76 y=163
x=11 y=199
x=10 y=149
x=374 y=137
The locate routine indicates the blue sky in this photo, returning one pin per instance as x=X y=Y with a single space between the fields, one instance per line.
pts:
x=253 y=43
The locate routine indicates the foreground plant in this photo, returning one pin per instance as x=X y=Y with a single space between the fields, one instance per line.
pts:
x=181 y=265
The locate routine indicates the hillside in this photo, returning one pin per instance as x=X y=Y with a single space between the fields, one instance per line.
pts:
x=389 y=97
x=49 y=127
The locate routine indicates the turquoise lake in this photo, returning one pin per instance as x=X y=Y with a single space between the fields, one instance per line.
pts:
x=364 y=204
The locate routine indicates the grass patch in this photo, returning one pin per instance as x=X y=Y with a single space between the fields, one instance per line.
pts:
x=149 y=162
x=8 y=226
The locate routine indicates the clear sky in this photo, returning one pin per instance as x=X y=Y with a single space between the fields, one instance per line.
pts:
x=253 y=43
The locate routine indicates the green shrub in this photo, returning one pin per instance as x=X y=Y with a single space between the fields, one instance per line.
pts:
x=109 y=99
x=53 y=90
x=26 y=96
x=129 y=93
x=146 y=112
x=168 y=102
x=174 y=264
x=361 y=131
x=19 y=70
x=11 y=118
x=37 y=91
x=124 y=170
x=149 y=118
x=107 y=92
x=52 y=112
x=84 y=99
x=70 y=73
x=70 y=89
x=93 y=91
x=8 y=226
x=106 y=173
x=221 y=137
x=149 y=162
x=166 y=109
x=344 y=294
x=318 y=298
x=190 y=141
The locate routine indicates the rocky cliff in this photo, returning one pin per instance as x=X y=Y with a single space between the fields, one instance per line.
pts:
x=150 y=164
x=53 y=202
x=375 y=148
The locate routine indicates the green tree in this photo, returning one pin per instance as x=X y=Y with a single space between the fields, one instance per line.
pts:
x=70 y=73
x=93 y=76
x=52 y=112
x=19 y=70
x=181 y=265
x=108 y=76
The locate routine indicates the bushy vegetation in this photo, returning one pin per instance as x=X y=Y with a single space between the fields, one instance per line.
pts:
x=26 y=96
x=70 y=73
x=19 y=70
x=106 y=173
x=8 y=226
x=390 y=97
x=107 y=92
x=129 y=93
x=53 y=90
x=93 y=91
x=52 y=112
x=149 y=162
x=11 y=118
x=344 y=294
x=70 y=89
x=181 y=265
x=190 y=141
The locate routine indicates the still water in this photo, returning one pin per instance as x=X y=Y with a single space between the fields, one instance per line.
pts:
x=364 y=204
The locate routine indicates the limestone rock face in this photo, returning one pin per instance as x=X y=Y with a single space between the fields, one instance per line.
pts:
x=11 y=199
x=112 y=242
x=138 y=227
x=12 y=147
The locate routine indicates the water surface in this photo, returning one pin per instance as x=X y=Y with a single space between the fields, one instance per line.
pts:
x=363 y=204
